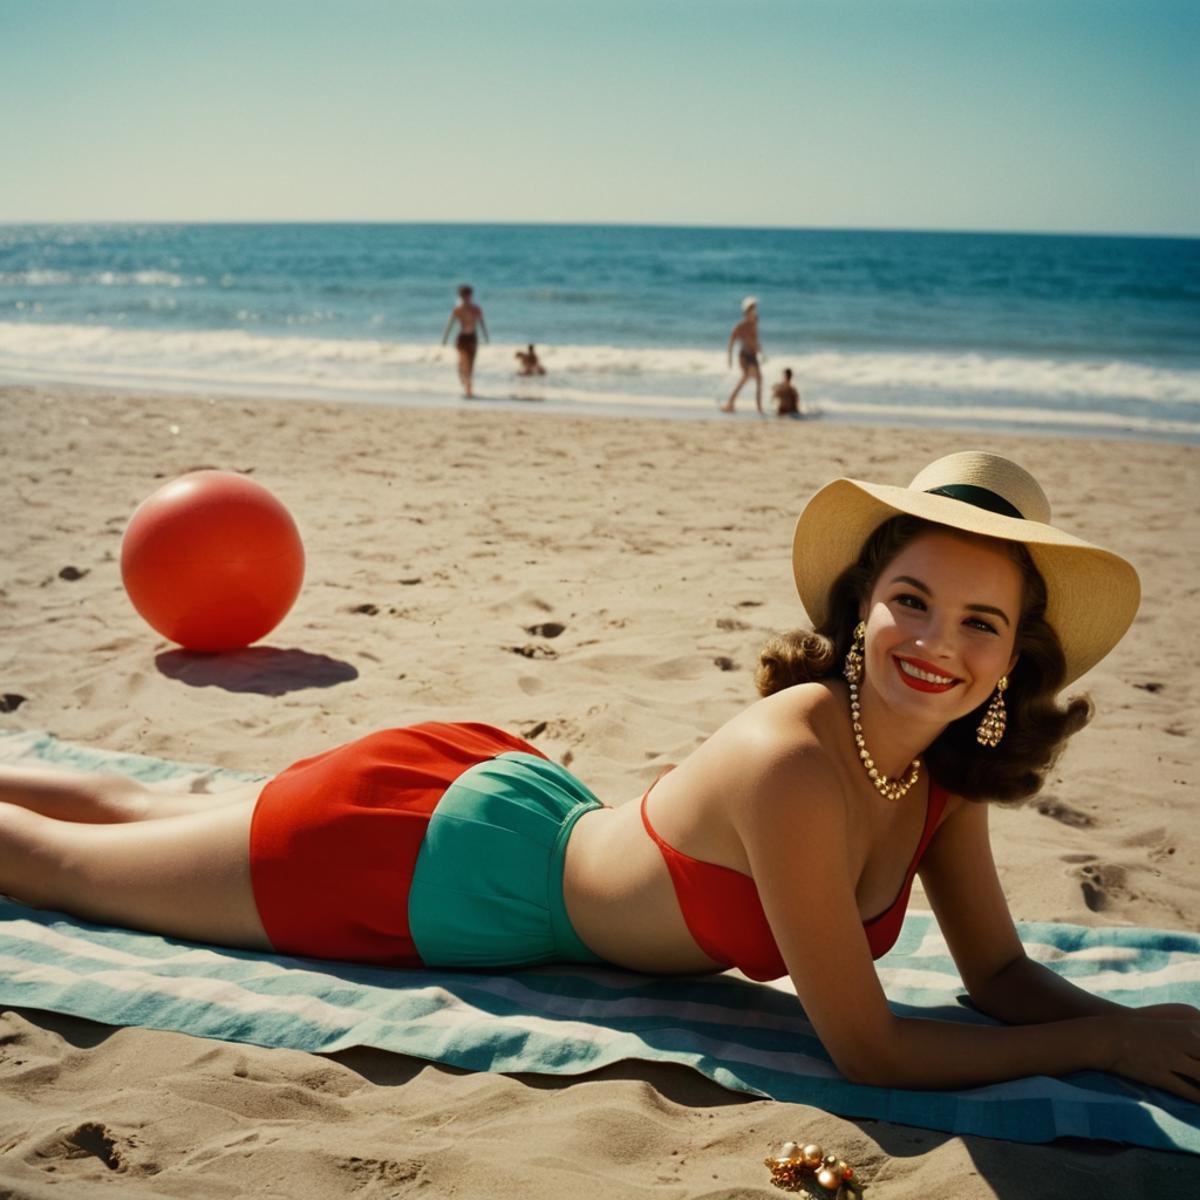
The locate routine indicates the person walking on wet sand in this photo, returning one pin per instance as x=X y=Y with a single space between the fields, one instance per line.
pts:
x=469 y=315
x=750 y=354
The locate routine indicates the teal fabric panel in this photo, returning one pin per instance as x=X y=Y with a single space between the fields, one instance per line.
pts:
x=487 y=887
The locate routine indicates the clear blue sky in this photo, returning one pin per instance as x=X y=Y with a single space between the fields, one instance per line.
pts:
x=1073 y=115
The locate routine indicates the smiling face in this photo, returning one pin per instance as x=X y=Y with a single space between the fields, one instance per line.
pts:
x=941 y=623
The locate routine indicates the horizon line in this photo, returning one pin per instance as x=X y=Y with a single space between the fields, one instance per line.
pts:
x=615 y=224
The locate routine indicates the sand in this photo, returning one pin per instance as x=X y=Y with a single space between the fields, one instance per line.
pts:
x=602 y=586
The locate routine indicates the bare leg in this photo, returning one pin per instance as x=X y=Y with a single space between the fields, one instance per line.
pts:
x=101 y=799
x=728 y=405
x=185 y=876
x=757 y=389
x=467 y=371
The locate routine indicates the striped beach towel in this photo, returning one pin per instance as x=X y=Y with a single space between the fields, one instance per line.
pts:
x=748 y=1037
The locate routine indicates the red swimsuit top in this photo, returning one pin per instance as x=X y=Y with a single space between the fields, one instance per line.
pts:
x=725 y=916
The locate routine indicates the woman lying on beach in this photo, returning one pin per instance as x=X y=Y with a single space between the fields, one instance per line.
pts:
x=947 y=616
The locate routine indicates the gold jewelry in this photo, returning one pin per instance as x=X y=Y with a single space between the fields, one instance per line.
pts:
x=811 y=1171
x=890 y=789
x=852 y=668
x=991 y=728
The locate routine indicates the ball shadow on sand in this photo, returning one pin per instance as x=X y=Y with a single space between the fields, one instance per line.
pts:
x=264 y=670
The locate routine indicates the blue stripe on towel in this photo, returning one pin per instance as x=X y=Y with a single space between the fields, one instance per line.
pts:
x=748 y=1037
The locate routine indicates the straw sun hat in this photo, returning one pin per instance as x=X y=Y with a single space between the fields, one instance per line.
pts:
x=1092 y=594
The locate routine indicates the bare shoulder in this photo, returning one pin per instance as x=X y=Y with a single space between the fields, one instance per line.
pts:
x=787 y=750
x=776 y=761
x=801 y=828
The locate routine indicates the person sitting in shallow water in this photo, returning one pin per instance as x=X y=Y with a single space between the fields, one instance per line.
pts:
x=947 y=616
x=528 y=362
x=787 y=398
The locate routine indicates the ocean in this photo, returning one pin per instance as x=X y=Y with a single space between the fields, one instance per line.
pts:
x=1014 y=332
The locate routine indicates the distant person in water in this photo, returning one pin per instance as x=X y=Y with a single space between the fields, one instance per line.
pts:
x=787 y=399
x=750 y=354
x=469 y=316
x=528 y=362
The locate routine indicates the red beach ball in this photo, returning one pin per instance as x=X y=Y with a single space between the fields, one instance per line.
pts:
x=212 y=560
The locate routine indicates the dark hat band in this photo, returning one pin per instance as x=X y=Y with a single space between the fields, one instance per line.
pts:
x=980 y=497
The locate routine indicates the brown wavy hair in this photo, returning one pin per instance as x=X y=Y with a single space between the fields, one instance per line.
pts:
x=1037 y=727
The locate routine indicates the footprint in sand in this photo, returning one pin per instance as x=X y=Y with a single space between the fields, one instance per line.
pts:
x=547 y=629
x=1155 y=841
x=11 y=701
x=731 y=625
x=1056 y=810
x=532 y=650
x=368 y=1172
x=1100 y=883
x=725 y=662
x=89 y=1140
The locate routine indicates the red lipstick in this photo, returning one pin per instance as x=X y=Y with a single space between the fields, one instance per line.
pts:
x=923 y=685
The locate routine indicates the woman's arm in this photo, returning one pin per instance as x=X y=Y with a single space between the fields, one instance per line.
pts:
x=960 y=879
x=959 y=876
x=803 y=863
x=1026 y=993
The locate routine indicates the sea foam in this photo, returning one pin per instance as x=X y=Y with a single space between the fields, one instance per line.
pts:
x=979 y=388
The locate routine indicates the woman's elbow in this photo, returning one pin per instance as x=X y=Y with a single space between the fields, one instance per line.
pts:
x=873 y=1072
x=854 y=1069
x=871 y=1061
x=994 y=992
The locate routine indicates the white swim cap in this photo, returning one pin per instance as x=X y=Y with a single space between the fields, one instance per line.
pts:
x=749 y=303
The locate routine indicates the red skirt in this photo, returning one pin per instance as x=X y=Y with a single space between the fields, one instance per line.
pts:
x=335 y=838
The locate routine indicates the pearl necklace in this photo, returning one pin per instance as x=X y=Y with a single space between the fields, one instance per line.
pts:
x=890 y=789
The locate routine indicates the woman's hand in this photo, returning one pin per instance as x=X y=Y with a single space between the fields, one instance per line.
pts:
x=1160 y=1045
